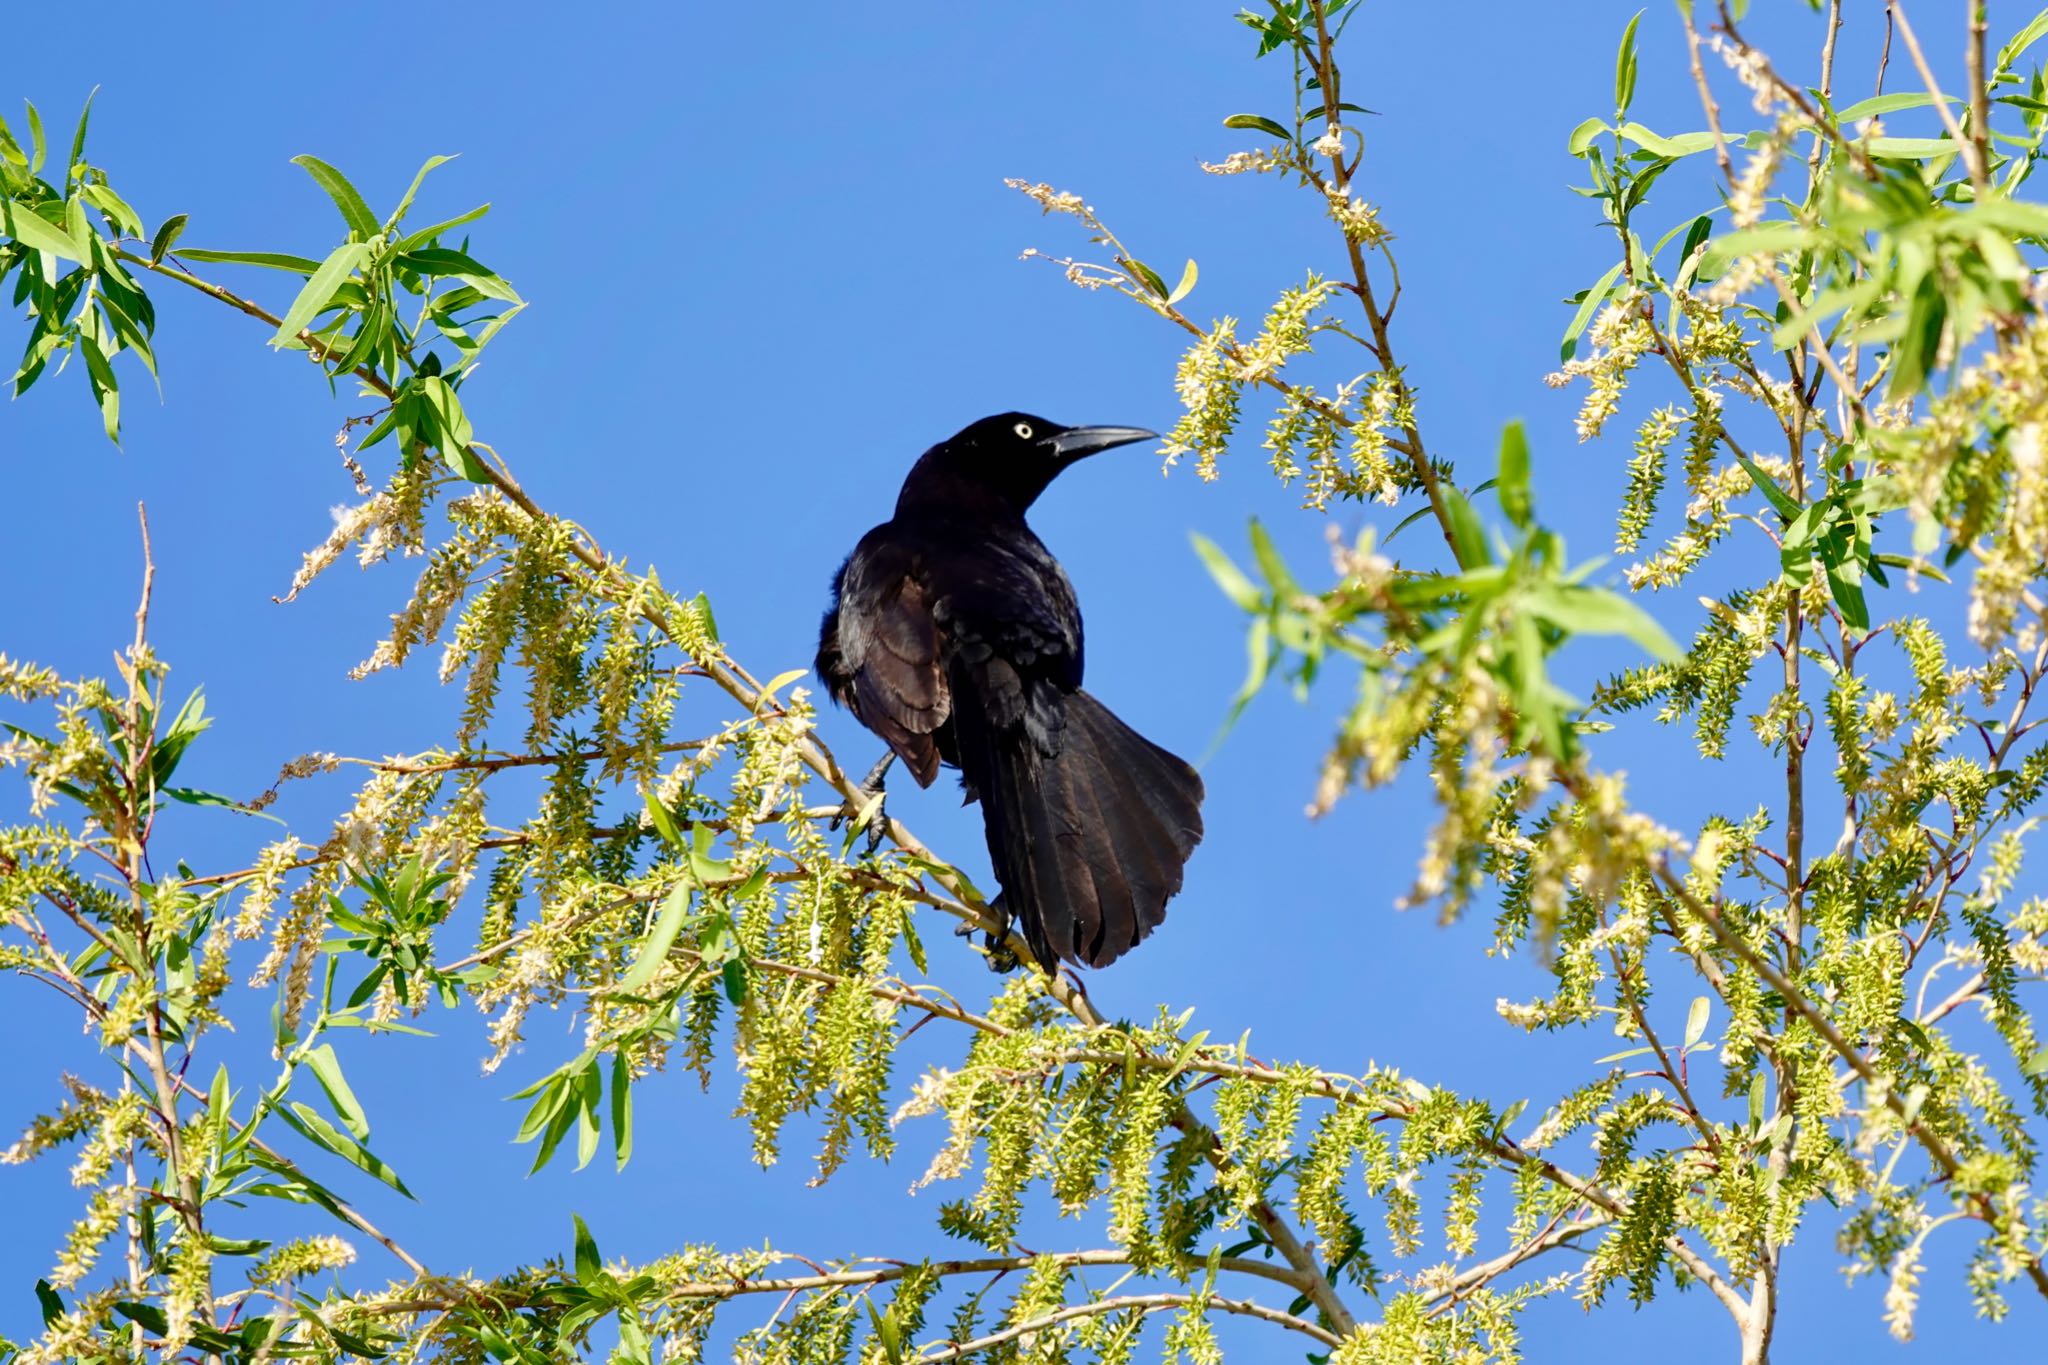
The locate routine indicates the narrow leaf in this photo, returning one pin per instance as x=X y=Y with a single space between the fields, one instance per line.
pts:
x=1595 y=611
x=160 y=245
x=622 y=1109
x=270 y=260
x=318 y=292
x=1766 y=485
x=327 y=1070
x=1588 y=306
x=405 y=204
x=29 y=228
x=1466 y=536
x=78 y=138
x=1514 y=474
x=1236 y=586
x=589 y=1265
x=660 y=939
x=324 y=1134
x=1696 y=1019
x=353 y=210
x=1258 y=123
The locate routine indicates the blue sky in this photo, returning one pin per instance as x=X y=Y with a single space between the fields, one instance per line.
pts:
x=768 y=264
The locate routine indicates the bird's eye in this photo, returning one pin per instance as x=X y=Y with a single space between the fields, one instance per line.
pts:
x=1023 y=430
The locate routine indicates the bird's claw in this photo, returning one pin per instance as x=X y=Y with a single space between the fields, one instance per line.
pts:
x=995 y=943
x=864 y=807
x=868 y=804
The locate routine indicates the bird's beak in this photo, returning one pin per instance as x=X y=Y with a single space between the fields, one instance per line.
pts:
x=1075 y=442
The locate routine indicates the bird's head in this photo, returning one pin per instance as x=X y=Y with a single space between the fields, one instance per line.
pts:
x=1012 y=455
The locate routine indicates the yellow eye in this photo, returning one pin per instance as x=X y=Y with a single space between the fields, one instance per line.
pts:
x=1023 y=430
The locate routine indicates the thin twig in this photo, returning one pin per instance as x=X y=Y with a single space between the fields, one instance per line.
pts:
x=1129 y=1303
x=1979 y=169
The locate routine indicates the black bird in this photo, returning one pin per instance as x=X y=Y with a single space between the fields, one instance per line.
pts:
x=954 y=636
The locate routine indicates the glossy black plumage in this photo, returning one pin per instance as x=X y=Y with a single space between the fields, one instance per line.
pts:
x=954 y=635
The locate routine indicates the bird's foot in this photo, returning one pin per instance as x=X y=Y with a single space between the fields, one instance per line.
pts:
x=995 y=943
x=867 y=807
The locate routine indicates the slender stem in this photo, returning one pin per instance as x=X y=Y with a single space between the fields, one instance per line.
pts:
x=1382 y=345
x=1978 y=165
x=1980 y=103
x=1138 y=1303
x=886 y=1272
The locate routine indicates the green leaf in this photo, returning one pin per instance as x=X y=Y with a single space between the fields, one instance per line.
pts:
x=1467 y=539
x=776 y=684
x=664 y=823
x=413 y=240
x=1535 y=700
x=452 y=433
x=405 y=204
x=589 y=1265
x=1765 y=239
x=269 y=260
x=1278 y=578
x=37 y=142
x=218 y=1107
x=1514 y=474
x=1625 y=66
x=1886 y=104
x=1915 y=351
x=160 y=245
x=1910 y=148
x=914 y=945
x=2021 y=41
x=32 y=230
x=622 y=1109
x=1148 y=275
x=1846 y=586
x=148 y=1314
x=444 y=263
x=1588 y=306
x=1696 y=1019
x=354 y=211
x=324 y=1134
x=125 y=221
x=702 y=864
x=1585 y=135
x=1259 y=123
x=667 y=924
x=701 y=604
x=78 y=137
x=319 y=291
x=887 y=1334
x=1260 y=658
x=1595 y=611
x=327 y=1070
x=1236 y=586
x=589 y=1090
x=1766 y=485
x=1187 y=283
x=106 y=389
x=1685 y=144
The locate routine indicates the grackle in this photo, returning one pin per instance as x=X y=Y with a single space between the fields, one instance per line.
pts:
x=954 y=635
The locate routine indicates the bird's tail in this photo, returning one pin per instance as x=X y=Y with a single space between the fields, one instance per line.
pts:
x=1088 y=842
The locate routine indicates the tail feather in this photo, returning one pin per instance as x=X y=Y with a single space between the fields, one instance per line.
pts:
x=1088 y=842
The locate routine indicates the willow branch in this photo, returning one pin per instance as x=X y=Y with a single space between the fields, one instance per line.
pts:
x=1138 y=1303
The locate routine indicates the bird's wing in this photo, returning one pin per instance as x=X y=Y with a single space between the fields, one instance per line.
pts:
x=888 y=668
x=1015 y=636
